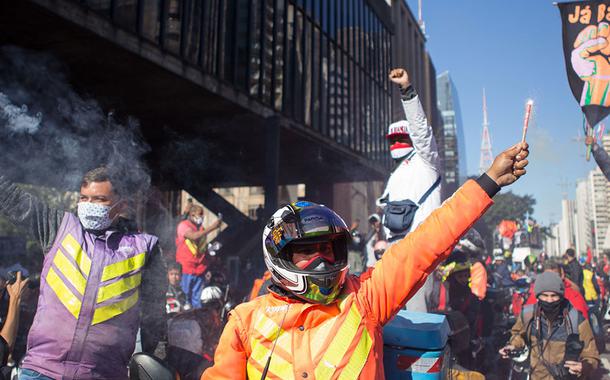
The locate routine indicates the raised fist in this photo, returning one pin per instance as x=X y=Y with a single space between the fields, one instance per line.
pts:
x=400 y=77
x=509 y=165
x=590 y=61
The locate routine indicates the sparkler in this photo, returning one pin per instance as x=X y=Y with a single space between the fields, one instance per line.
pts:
x=526 y=120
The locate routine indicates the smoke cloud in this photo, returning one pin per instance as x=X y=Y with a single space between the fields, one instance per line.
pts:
x=52 y=135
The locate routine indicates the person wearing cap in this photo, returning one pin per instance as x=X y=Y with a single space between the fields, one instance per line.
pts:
x=191 y=253
x=416 y=175
x=571 y=292
x=557 y=335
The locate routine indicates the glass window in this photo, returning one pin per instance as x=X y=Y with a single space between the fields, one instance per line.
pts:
x=149 y=23
x=172 y=26
x=255 y=48
x=125 y=12
x=267 y=50
x=101 y=6
x=242 y=43
x=290 y=70
x=324 y=67
x=192 y=28
x=308 y=72
x=316 y=79
x=278 y=75
x=299 y=86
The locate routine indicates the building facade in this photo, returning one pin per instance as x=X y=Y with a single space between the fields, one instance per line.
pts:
x=583 y=222
x=454 y=151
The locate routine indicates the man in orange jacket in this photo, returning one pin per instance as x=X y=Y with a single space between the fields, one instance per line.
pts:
x=318 y=322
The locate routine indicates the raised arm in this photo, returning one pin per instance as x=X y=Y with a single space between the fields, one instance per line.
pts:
x=406 y=265
x=11 y=325
x=24 y=209
x=601 y=156
x=420 y=130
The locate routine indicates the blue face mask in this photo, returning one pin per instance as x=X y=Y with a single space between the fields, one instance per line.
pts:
x=94 y=216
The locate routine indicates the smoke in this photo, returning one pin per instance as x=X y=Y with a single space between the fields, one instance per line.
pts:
x=17 y=118
x=52 y=135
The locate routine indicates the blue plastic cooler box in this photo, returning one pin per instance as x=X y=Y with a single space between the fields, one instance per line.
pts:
x=414 y=345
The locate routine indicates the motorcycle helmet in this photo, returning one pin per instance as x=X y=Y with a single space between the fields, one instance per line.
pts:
x=472 y=244
x=295 y=227
x=211 y=294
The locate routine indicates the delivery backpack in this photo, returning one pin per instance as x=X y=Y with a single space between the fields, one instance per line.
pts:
x=398 y=215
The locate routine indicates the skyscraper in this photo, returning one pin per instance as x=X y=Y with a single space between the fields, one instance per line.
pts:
x=453 y=150
x=600 y=209
x=583 y=225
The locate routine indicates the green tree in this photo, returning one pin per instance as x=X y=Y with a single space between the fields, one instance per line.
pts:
x=506 y=206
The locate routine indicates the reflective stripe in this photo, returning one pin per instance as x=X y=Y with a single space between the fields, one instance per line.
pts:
x=117 y=288
x=191 y=246
x=339 y=344
x=65 y=295
x=78 y=254
x=253 y=372
x=125 y=266
x=105 y=313
x=70 y=272
x=266 y=327
x=358 y=359
x=279 y=366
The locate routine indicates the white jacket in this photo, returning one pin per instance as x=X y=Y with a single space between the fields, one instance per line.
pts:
x=414 y=177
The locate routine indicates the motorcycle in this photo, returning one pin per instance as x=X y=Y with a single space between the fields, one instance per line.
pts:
x=519 y=368
x=146 y=367
x=599 y=332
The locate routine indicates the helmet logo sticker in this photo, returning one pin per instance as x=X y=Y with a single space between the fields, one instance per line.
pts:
x=277 y=234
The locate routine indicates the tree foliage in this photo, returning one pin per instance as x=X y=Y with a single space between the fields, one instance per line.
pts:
x=509 y=206
x=506 y=206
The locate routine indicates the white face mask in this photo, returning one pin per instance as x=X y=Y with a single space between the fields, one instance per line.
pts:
x=94 y=216
x=399 y=153
x=198 y=220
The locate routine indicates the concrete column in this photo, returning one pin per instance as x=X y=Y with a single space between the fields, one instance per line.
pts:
x=272 y=164
x=320 y=192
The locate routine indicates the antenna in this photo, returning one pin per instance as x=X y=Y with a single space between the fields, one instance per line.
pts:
x=420 y=19
x=565 y=185
x=486 y=158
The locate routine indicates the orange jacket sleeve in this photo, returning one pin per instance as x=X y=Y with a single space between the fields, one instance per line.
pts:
x=407 y=263
x=230 y=358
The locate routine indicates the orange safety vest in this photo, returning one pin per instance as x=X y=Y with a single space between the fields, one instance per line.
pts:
x=343 y=340
x=478 y=280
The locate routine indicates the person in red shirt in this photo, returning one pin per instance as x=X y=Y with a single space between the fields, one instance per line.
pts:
x=572 y=292
x=190 y=253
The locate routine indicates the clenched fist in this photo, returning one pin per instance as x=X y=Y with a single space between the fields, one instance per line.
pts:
x=509 y=165
x=400 y=77
x=590 y=60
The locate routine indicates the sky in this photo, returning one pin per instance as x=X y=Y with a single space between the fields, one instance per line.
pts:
x=513 y=49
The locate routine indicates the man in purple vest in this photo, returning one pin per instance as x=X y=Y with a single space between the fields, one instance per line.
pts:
x=101 y=280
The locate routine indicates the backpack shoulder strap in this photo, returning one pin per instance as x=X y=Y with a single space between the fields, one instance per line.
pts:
x=527 y=313
x=574 y=317
x=430 y=190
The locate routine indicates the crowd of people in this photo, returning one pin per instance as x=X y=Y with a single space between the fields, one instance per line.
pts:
x=105 y=287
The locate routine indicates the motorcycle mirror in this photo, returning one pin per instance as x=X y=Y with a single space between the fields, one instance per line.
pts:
x=146 y=367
